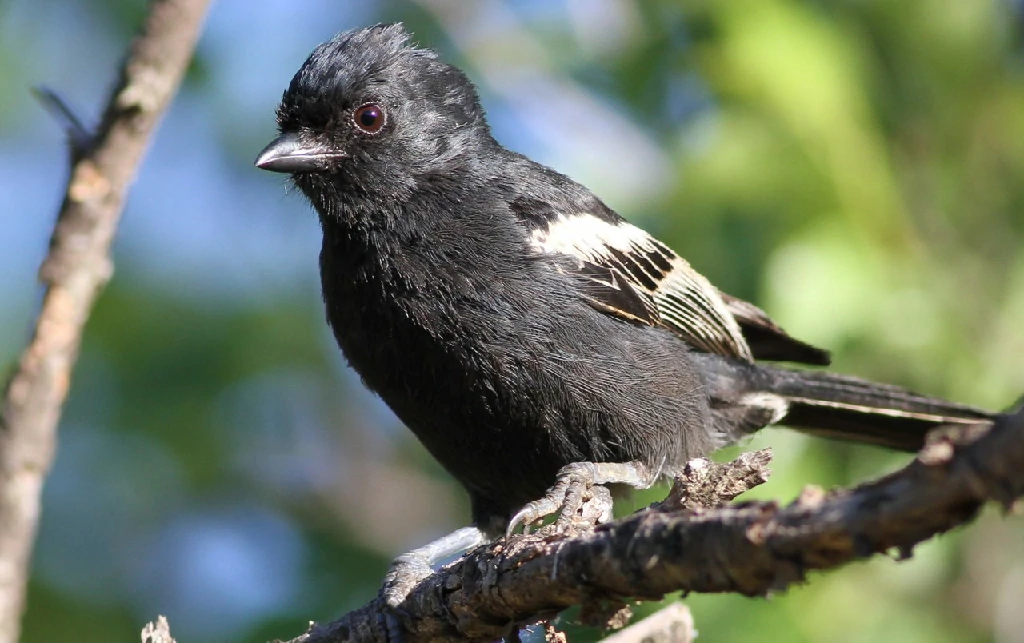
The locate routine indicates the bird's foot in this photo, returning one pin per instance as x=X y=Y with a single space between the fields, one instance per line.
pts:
x=408 y=570
x=577 y=496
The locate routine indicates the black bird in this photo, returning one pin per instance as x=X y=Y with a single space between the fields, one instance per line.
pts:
x=513 y=321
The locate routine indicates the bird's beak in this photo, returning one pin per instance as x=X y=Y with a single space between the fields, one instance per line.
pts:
x=287 y=153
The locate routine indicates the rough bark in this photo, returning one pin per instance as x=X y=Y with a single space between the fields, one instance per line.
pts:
x=693 y=542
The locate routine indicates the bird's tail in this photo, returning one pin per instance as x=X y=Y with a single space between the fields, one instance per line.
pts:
x=745 y=397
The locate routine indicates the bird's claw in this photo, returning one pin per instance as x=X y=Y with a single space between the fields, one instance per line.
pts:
x=403 y=575
x=408 y=570
x=574 y=496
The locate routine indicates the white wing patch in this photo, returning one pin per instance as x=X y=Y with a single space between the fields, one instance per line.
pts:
x=587 y=237
x=685 y=301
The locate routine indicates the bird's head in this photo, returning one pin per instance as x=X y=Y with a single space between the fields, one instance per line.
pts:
x=370 y=112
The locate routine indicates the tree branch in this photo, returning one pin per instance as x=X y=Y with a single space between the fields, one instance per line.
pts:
x=76 y=268
x=158 y=631
x=751 y=548
x=671 y=624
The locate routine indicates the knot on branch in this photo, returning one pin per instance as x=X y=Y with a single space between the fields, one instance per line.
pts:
x=703 y=484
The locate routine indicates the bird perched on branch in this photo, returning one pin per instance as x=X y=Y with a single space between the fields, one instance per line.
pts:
x=525 y=332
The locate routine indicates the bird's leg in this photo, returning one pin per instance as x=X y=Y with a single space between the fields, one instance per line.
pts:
x=573 y=482
x=410 y=568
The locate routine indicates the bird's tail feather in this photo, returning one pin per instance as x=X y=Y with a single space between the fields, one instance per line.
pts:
x=829 y=405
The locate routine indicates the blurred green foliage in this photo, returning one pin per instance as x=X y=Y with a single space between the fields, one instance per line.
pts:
x=855 y=167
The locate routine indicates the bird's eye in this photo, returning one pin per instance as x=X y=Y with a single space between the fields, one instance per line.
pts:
x=369 y=118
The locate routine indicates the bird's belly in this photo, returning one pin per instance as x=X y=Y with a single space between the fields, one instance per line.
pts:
x=503 y=411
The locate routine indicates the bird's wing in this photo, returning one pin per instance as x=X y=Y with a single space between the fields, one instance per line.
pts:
x=767 y=339
x=628 y=273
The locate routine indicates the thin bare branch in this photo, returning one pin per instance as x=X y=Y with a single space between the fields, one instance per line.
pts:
x=158 y=631
x=76 y=268
x=672 y=624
